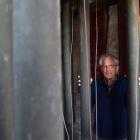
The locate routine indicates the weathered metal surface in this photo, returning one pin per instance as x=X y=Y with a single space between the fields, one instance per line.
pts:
x=6 y=85
x=85 y=71
x=37 y=70
x=133 y=67
x=67 y=52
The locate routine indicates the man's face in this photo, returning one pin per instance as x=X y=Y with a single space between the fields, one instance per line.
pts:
x=109 y=69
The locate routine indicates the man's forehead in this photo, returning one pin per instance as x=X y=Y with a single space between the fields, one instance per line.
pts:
x=108 y=60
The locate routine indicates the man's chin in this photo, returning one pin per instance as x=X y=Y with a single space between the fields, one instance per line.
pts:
x=109 y=78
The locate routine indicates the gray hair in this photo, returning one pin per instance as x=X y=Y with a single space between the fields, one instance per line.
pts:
x=113 y=58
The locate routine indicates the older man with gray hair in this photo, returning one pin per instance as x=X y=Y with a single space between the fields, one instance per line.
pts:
x=109 y=95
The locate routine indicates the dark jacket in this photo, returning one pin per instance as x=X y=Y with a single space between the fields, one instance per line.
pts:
x=111 y=108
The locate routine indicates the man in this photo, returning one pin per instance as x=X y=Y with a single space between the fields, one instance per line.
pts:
x=109 y=95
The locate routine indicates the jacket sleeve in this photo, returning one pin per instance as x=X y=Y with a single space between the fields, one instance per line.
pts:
x=126 y=94
x=92 y=94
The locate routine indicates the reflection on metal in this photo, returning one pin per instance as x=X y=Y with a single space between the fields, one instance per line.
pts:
x=85 y=71
x=133 y=71
x=139 y=80
x=37 y=70
x=66 y=38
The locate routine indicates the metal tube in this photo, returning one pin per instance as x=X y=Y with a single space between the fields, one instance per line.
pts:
x=85 y=71
x=6 y=78
x=67 y=44
x=37 y=70
x=133 y=64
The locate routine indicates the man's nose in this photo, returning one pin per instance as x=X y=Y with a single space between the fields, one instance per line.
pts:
x=107 y=68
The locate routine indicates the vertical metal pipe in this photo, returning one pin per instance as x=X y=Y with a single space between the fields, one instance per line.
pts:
x=133 y=64
x=67 y=48
x=139 y=91
x=139 y=79
x=85 y=70
x=37 y=70
x=6 y=78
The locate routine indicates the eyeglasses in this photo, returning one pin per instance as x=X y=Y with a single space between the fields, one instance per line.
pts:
x=108 y=66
